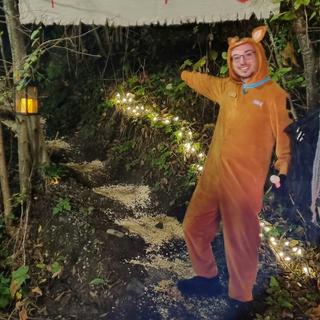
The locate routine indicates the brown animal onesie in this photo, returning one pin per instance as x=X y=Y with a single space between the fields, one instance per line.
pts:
x=251 y=121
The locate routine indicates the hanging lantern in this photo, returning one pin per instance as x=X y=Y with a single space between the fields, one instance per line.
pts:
x=27 y=101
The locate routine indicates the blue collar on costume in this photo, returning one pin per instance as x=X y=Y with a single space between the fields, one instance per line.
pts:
x=246 y=86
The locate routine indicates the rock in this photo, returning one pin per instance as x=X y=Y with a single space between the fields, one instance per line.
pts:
x=115 y=233
x=135 y=286
x=159 y=225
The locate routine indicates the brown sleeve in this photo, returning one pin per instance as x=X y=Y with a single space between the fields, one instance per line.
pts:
x=279 y=121
x=204 y=84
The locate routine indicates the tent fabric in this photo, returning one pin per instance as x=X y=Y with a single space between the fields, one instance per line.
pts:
x=304 y=172
x=141 y=12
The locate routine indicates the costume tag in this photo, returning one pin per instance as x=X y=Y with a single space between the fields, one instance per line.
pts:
x=257 y=103
x=232 y=94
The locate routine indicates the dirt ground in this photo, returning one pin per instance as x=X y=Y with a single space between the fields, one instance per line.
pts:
x=120 y=254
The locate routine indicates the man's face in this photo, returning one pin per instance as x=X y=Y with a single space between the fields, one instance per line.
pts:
x=244 y=61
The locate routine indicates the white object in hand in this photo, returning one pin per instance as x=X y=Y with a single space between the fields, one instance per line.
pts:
x=275 y=180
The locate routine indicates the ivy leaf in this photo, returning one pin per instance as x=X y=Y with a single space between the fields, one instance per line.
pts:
x=274 y=283
x=18 y=277
x=97 y=281
x=186 y=63
x=55 y=267
x=285 y=303
x=288 y=16
x=200 y=63
x=34 y=34
x=213 y=55
x=223 y=69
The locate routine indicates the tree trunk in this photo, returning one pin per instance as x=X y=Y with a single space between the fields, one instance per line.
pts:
x=5 y=185
x=18 y=51
x=309 y=58
x=30 y=135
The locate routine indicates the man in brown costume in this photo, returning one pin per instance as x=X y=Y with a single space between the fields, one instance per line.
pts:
x=251 y=121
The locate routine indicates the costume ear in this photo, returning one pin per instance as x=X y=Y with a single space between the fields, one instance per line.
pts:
x=232 y=40
x=258 y=33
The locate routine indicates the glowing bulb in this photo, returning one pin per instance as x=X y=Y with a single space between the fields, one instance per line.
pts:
x=118 y=95
x=307 y=270
x=201 y=155
x=281 y=254
x=287 y=258
x=261 y=224
x=167 y=121
x=200 y=168
x=299 y=252
x=187 y=146
x=286 y=243
x=294 y=249
x=180 y=134
x=124 y=100
x=267 y=229
x=176 y=118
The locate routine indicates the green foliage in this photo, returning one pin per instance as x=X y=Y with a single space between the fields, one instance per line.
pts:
x=20 y=275
x=29 y=70
x=97 y=281
x=10 y=285
x=286 y=75
x=224 y=67
x=160 y=159
x=290 y=7
x=52 y=171
x=279 y=297
x=123 y=148
x=192 y=176
x=105 y=105
x=18 y=199
x=61 y=206
x=55 y=267
x=5 y=296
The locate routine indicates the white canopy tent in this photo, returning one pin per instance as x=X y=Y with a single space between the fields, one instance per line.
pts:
x=141 y=12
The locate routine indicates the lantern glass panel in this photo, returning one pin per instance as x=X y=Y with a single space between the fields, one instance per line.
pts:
x=27 y=101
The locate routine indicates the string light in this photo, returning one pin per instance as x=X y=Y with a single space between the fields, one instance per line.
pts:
x=127 y=104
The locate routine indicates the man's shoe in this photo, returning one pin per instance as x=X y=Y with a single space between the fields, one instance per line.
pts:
x=200 y=286
x=238 y=310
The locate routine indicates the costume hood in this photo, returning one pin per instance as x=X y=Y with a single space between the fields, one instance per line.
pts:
x=262 y=64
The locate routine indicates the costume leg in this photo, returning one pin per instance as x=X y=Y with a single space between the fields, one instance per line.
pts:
x=241 y=230
x=200 y=226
